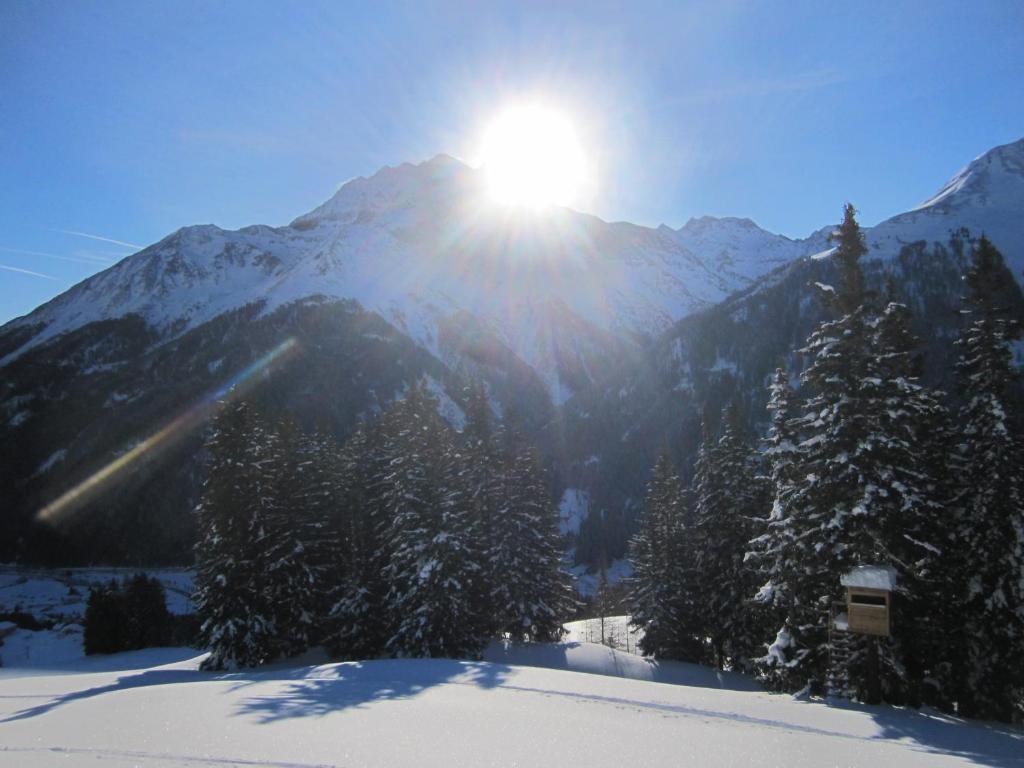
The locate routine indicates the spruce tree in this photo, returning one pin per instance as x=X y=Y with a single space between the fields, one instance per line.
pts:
x=296 y=540
x=485 y=474
x=232 y=603
x=662 y=592
x=915 y=529
x=774 y=550
x=990 y=499
x=357 y=626
x=530 y=592
x=729 y=495
x=829 y=515
x=430 y=568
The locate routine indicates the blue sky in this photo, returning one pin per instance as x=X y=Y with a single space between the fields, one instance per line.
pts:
x=127 y=120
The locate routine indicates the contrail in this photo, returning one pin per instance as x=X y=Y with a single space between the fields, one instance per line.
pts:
x=104 y=239
x=27 y=272
x=76 y=259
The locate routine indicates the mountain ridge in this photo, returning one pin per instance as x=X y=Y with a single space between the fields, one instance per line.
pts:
x=604 y=340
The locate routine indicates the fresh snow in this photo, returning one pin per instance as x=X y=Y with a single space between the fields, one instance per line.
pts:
x=870 y=577
x=155 y=708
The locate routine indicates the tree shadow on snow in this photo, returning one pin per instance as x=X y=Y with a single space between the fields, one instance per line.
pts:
x=985 y=743
x=359 y=684
x=140 y=680
x=992 y=744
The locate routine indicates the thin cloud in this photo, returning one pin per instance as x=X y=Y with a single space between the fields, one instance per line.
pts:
x=101 y=238
x=84 y=259
x=21 y=271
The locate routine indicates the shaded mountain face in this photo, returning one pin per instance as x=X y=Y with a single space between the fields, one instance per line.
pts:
x=601 y=340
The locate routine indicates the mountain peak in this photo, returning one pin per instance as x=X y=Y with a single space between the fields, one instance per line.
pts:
x=391 y=186
x=992 y=173
x=698 y=224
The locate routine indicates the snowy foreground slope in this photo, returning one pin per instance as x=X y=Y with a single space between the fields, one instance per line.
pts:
x=450 y=713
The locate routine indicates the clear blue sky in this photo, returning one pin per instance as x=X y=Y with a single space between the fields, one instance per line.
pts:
x=126 y=120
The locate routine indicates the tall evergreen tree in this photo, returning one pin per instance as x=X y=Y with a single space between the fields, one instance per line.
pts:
x=772 y=551
x=430 y=568
x=662 y=594
x=990 y=499
x=357 y=627
x=915 y=529
x=484 y=475
x=232 y=603
x=296 y=540
x=729 y=495
x=836 y=510
x=530 y=592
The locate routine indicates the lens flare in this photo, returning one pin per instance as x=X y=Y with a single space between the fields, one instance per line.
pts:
x=170 y=434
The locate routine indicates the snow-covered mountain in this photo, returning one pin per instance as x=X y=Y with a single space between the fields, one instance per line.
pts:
x=418 y=244
x=987 y=196
x=604 y=339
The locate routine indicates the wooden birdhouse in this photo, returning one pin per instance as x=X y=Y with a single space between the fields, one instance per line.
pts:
x=869 y=591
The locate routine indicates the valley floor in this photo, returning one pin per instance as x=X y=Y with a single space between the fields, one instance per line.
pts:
x=154 y=708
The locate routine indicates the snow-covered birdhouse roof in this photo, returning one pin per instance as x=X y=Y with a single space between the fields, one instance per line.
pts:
x=870 y=577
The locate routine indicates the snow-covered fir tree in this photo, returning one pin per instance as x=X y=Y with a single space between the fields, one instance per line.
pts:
x=857 y=489
x=431 y=557
x=235 y=611
x=771 y=551
x=915 y=523
x=729 y=495
x=662 y=588
x=530 y=593
x=990 y=499
x=357 y=624
x=483 y=474
x=300 y=545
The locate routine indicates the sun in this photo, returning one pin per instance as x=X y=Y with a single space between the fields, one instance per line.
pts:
x=531 y=156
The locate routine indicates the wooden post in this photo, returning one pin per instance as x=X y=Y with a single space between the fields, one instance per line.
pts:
x=874 y=692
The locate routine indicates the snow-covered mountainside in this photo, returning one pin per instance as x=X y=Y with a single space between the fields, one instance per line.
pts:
x=418 y=244
x=605 y=340
x=987 y=196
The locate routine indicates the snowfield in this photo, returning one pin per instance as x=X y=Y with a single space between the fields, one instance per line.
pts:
x=571 y=703
x=141 y=710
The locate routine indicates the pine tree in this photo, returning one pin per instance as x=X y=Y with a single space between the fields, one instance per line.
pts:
x=859 y=490
x=990 y=499
x=729 y=496
x=531 y=594
x=772 y=551
x=662 y=593
x=237 y=618
x=830 y=517
x=357 y=626
x=430 y=570
x=484 y=476
x=296 y=541
x=910 y=470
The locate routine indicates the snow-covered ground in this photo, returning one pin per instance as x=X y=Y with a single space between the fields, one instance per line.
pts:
x=156 y=709
x=575 y=702
x=57 y=598
x=60 y=594
x=616 y=633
